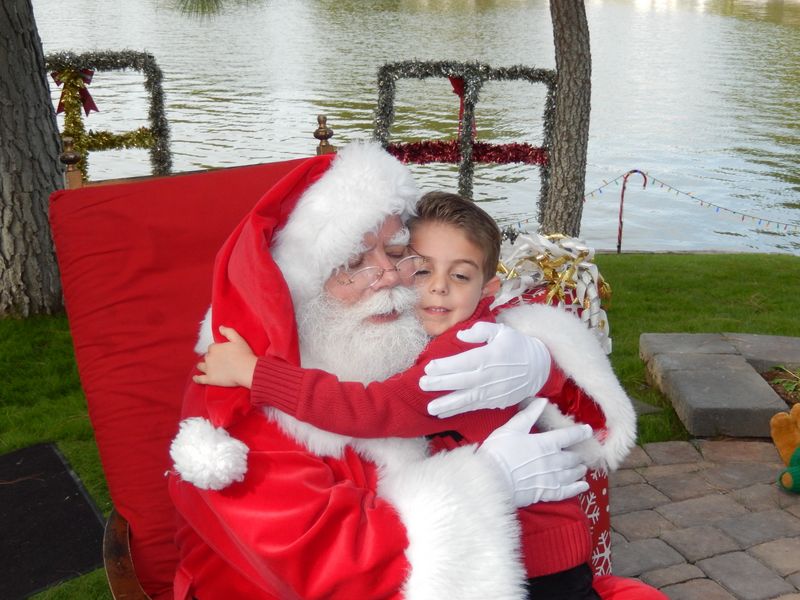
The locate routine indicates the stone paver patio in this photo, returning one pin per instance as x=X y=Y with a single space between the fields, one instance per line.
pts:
x=713 y=381
x=686 y=523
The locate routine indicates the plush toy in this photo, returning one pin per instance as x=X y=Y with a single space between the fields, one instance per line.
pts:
x=785 y=431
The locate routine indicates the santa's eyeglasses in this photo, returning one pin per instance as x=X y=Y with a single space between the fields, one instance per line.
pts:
x=365 y=278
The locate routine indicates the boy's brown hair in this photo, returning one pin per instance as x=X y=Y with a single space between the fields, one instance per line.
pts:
x=477 y=225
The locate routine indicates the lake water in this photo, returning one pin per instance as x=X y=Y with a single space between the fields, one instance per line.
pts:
x=704 y=96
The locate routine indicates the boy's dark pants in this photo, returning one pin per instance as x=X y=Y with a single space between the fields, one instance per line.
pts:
x=572 y=584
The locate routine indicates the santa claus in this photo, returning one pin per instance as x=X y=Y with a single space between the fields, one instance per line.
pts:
x=272 y=507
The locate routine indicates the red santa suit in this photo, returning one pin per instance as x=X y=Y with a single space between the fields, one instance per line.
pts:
x=271 y=507
x=555 y=535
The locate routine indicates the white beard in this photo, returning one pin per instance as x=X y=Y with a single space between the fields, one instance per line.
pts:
x=339 y=339
x=336 y=338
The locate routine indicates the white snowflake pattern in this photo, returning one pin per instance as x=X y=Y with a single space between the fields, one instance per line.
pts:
x=590 y=506
x=601 y=555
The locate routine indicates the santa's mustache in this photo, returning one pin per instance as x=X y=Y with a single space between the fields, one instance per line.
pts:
x=397 y=300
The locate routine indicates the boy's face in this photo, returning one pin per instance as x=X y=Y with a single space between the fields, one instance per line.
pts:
x=450 y=282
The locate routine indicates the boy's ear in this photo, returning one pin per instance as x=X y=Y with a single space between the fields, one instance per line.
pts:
x=491 y=287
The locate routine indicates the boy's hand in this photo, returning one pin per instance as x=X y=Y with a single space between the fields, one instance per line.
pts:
x=227 y=364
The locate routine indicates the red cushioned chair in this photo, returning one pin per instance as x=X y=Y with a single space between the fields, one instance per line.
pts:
x=136 y=261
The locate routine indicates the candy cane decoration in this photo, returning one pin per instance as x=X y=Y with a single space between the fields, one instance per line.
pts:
x=622 y=201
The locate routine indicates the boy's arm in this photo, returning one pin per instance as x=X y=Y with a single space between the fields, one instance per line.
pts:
x=396 y=407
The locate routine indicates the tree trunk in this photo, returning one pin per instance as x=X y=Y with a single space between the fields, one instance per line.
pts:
x=29 y=168
x=564 y=203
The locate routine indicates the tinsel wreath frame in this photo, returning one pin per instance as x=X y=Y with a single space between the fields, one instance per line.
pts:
x=468 y=151
x=68 y=65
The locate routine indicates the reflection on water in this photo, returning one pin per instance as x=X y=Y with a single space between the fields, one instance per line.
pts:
x=703 y=95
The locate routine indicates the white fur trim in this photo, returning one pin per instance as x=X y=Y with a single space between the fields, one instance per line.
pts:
x=366 y=184
x=207 y=456
x=577 y=352
x=205 y=336
x=317 y=441
x=463 y=532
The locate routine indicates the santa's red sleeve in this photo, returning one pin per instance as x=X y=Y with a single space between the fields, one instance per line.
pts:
x=571 y=399
x=582 y=382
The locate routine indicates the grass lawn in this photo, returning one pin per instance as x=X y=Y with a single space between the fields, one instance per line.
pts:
x=41 y=398
x=41 y=401
x=692 y=293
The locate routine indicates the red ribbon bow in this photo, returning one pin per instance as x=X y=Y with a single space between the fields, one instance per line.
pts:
x=458 y=89
x=86 y=98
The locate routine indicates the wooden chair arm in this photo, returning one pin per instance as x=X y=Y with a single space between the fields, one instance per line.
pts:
x=118 y=562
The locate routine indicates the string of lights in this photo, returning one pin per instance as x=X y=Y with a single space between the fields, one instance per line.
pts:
x=772 y=225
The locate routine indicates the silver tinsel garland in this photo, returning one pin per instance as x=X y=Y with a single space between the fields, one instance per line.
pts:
x=474 y=74
x=160 y=155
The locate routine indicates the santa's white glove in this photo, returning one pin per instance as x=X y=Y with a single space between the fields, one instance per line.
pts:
x=535 y=465
x=509 y=368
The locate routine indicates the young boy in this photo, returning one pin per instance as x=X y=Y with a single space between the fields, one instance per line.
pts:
x=456 y=280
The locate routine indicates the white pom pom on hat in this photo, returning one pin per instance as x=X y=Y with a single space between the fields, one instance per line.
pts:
x=207 y=456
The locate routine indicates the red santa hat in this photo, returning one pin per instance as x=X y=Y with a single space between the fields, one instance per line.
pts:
x=308 y=224
x=364 y=185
